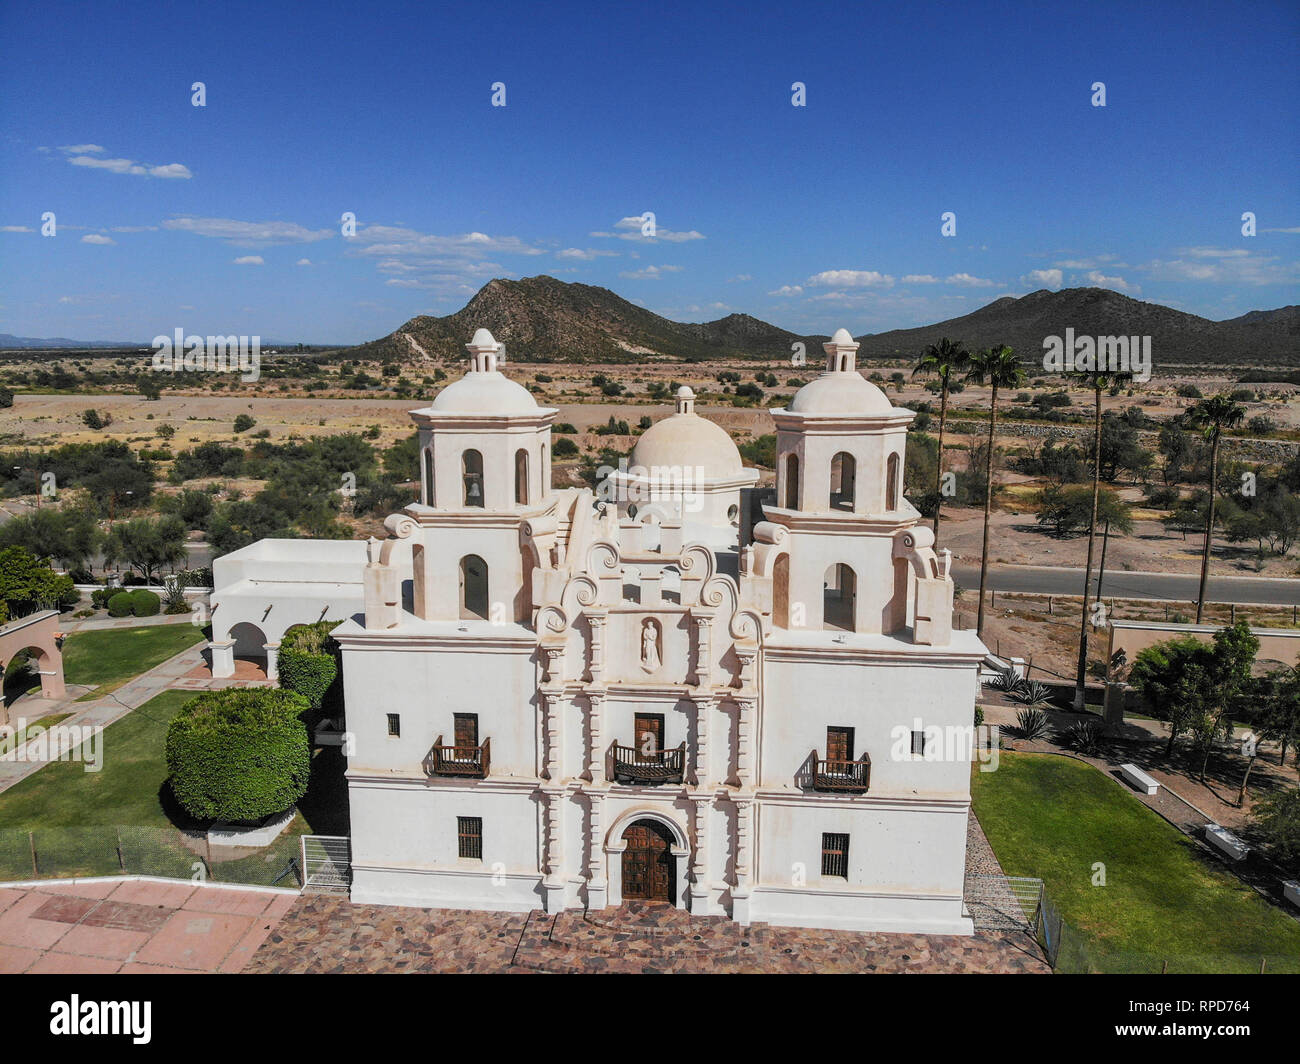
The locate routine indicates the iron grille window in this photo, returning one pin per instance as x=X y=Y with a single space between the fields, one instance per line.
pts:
x=394 y=724
x=469 y=833
x=918 y=743
x=835 y=855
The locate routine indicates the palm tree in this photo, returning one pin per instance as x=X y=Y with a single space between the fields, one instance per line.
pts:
x=1098 y=381
x=996 y=367
x=943 y=359
x=1212 y=416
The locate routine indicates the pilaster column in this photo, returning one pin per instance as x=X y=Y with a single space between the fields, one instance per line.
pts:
x=700 y=866
x=745 y=768
x=703 y=651
x=595 y=757
x=597 y=884
x=551 y=712
x=597 y=666
x=703 y=769
x=553 y=831
x=740 y=895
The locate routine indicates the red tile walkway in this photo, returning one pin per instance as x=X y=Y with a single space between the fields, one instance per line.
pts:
x=134 y=926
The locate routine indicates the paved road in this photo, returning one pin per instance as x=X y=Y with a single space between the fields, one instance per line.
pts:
x=1169 y=587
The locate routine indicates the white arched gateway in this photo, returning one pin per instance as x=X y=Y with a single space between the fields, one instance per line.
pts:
x=647 y=857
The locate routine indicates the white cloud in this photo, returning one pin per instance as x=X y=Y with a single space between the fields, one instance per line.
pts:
x=1288 y=229
x=649 y=273
x=84 y=155
x=1223 y=266
x=247 y=234
x=134 y=228
x=788 y=290
x=740 y=277
x=303 y=262
x=249 y=260
x=632 y=231
x=850 y=279
x=96 y=238
x=1043 y=279
x=16 y=229
x=966 y=280
x=584 y=255
x=920 y=278
x=1117 y=283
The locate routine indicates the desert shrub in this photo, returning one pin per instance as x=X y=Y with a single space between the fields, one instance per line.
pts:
x=1189 y=391
x=1033 y=693
x=979 y=716
x=1006 y=681
x=145 y=603
x=240 y=754
x=100 y=596
x=1085 y=736
x=1032 y=723
x=564 y=448
x=119 y=605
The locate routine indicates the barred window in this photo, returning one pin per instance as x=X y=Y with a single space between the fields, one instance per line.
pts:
x=918 y=743
x=469 y=833
x=394 y=724
x=835 y=855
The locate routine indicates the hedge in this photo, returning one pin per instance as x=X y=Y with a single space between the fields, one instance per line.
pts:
x=240 y=754
x=308 y=664
x=145 y=603
x=120 y=605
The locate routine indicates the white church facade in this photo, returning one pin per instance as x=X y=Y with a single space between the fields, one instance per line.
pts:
x=663 y=690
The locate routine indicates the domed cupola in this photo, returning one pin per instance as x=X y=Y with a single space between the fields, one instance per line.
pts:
x=841 y=389
x=484 y=390
x=686 y=440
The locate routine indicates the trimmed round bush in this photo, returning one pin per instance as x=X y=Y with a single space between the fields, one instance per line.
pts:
x=145 y=603
x=308 y=662
x=240 y=754
x=120 y=605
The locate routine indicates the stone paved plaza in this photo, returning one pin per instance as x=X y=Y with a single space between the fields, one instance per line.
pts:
x=323 y=933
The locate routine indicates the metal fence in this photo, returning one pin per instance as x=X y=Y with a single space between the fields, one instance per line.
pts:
x=326 y=864
x=1019 y=903
x=147 y=850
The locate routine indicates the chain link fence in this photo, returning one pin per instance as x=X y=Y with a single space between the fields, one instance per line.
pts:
x=145 y=850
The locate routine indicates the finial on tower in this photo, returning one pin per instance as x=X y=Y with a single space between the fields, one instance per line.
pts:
x=484 y=352
x=685 y=400
x=840 y=351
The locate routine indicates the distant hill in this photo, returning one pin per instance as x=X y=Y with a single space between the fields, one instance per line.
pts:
x=10 y=342
x=1262 y=337
x=541 y=319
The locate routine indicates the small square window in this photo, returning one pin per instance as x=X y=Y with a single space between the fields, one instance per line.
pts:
x=394 y=724
x=918 y=743
x=835 y=855
x=469 y=833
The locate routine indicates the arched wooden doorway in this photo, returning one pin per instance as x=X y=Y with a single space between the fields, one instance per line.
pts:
x=648 y=862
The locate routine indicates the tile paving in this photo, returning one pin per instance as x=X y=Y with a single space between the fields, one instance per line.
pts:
x=322 y=933
x=134 y=926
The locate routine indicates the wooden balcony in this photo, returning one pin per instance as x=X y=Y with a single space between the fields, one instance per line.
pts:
x=467 y=762
x=841 y=777
x=633 y=766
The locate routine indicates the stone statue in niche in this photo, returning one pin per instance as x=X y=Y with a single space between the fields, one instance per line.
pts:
x=650 y=657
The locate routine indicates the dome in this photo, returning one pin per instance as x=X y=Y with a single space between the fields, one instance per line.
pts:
x=840 y=393
x=484 y=389
x=485 y=393
x=685 y=441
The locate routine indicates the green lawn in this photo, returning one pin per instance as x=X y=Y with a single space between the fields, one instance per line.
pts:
x=109 y=657
x=1055 y=818
x=80 y=819
x=20 y=737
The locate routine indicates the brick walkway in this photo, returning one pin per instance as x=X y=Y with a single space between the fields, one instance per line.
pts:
x=328 y=934
x=127 y=926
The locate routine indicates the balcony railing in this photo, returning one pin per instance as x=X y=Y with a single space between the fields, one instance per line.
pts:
x=470 y=762
x=633 y=766
x=850 y=777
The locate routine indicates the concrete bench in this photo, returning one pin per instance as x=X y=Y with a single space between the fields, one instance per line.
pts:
x=1291 y=891
x=1226 y=842
x=1138 y=779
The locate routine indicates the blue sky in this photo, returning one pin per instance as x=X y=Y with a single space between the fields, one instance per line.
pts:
x=226 y=218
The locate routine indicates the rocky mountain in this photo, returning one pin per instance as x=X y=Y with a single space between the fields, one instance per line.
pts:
x=1260 y=338
x=541 y=319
